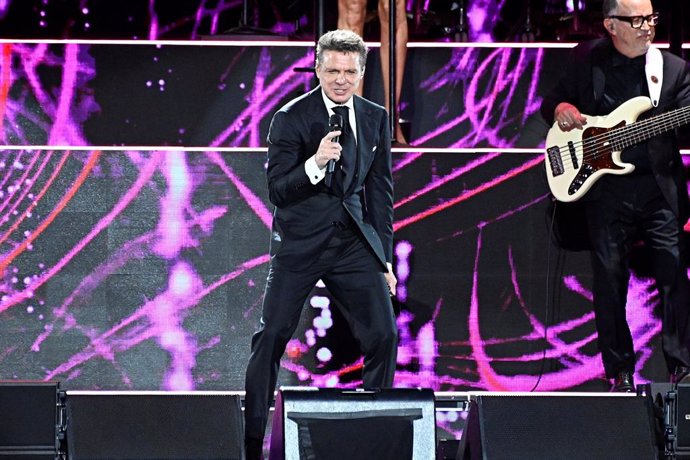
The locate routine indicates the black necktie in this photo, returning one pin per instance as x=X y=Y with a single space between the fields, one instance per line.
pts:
x=347 y=141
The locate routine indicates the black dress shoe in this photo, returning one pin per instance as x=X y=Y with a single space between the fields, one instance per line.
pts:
x=623 y=383
x=681 y=375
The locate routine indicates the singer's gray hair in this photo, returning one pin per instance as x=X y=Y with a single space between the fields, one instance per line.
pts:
x=344 y=41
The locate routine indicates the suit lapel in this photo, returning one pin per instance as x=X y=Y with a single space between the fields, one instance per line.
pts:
x=317 y=111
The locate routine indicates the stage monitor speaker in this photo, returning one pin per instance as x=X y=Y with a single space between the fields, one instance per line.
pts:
x=29 y=455
x=154 y=425
x=681 y=420
x=558 y=427
x=29 y=417
x=329 y=424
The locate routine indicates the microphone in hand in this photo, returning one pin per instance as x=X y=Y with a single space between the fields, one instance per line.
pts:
x=335 y=123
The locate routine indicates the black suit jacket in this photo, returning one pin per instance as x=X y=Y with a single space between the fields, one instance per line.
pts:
x=582 y=84
x=304 y=213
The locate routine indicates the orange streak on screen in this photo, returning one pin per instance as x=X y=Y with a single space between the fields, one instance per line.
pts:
x=468 y=194
x=88 y=166
x=5 y=75
x=30 y=208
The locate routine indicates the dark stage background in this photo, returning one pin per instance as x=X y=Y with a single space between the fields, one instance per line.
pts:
x=134 y=222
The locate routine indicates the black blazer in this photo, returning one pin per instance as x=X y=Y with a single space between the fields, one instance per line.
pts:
x=582 y=84
x=304 y=213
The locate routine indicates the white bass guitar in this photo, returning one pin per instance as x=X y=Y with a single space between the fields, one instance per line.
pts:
x=576 y=159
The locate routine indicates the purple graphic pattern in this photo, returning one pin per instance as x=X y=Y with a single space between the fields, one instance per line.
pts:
x=144 y=269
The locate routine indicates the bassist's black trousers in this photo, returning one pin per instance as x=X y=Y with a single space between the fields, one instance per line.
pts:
x=629 y=209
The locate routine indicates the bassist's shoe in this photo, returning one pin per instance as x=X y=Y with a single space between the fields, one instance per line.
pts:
x=623 y=383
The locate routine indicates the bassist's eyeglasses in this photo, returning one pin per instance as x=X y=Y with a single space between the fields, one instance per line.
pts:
x=637 y=21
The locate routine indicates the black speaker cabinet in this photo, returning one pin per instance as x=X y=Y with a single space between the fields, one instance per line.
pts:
x=325 y=424
x=154 y=425
x=30 y=418
x=559 y=427
x=680 y=420
x=29 y=455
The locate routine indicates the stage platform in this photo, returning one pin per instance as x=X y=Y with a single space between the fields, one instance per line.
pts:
x=103 y=131
x=135 y=227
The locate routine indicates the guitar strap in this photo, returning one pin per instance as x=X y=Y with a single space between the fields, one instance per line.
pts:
x=654 y=68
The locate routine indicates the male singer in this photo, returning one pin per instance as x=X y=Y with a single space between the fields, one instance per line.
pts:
x=341 y=233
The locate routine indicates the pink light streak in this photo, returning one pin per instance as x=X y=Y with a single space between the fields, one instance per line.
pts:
x=264 y=100
x=468 y=194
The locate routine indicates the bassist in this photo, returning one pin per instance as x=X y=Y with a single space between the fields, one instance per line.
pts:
x=651 y=203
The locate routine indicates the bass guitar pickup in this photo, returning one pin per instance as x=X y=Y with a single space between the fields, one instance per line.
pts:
x=555 y=161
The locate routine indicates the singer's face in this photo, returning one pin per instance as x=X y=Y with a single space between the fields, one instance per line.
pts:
x=339 y=75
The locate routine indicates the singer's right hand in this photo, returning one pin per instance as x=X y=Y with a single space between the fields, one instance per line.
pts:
x=328 y=150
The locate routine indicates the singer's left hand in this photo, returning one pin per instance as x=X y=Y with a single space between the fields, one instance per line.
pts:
x=391 y=280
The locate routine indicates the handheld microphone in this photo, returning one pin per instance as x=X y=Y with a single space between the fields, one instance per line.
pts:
x=335 y=123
